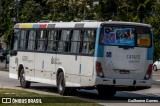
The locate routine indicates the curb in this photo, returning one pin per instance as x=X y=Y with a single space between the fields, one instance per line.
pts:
x=4 y=69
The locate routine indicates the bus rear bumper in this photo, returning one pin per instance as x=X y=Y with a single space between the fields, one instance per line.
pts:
x=123 y=82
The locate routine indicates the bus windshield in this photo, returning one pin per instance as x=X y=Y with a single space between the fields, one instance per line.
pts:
x=125 y=36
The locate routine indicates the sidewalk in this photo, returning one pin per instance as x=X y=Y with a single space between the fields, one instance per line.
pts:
x=4 y=67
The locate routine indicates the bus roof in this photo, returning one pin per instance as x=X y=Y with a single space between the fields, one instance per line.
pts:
x=75 y=24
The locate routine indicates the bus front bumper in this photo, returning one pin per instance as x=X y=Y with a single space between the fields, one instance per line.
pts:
x=123 y=82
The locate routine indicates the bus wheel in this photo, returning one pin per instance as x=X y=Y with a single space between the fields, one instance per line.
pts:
x=155 y=68
x=106 y=91
x=23 y=82
x=62 y=90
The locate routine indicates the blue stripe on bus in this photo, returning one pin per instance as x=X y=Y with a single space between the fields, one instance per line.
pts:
x=150 y=50
x=35 y=26
x=99 y=50
x=150 y=54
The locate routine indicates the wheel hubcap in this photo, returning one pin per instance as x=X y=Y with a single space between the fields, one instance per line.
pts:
x=22 y=79
x=61 y=85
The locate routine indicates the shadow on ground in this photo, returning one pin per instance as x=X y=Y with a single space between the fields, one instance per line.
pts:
x=120 y=97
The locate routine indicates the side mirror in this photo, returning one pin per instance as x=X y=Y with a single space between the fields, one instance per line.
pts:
x=13 y=52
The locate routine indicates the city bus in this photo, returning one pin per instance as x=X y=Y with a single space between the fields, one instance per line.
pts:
x=106 y=56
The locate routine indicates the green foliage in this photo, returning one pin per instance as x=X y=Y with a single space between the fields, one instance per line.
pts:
x=146 y=11
x=154 y=20
x=141 y=9
x=31 y=12
x=6 y=25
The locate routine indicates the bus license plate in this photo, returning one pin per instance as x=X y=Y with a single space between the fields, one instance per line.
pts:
x=124 y=71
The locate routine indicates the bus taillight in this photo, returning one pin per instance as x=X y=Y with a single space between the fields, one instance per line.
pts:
x=99 y=69
x=149 y=72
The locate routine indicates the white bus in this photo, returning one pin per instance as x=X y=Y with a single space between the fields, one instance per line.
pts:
x=101 y=55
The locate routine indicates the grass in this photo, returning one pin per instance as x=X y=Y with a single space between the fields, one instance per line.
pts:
x=47 y=100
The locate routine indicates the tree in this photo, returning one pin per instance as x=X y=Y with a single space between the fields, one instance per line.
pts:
x=5 y=13
x=31 y=11
x=111 y=10
x=6 y=25
x=141 y=9
x=67 y=10
x=106 y=9
x=154 y=20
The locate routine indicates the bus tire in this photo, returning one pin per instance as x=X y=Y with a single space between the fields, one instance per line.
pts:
x=23 y=82
x=62 y=90
x=155 y=68
x=106 y=91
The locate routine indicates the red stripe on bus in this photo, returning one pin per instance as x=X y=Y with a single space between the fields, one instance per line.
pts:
x=43 y=25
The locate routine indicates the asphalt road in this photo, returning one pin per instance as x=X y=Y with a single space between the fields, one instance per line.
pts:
x=120 y=99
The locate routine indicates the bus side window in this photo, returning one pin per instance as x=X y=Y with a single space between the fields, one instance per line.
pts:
x=92 y=41
x=75 y=41
x=85 y=46
x=52 y=40
x=31 y=39
x=63 y=44
x=23 y=40
x=88 y=45
x=80 y=41
x=15 y=39
x=41 y=40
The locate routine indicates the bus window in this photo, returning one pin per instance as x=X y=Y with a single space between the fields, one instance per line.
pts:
x=52 y=40
x=23 y=40
x=126 y=36
x=75 y=41
x=92 y=41
x=89 y=42
x=41 y=40
x=118 y=36
x=63 y=44
x=15 y=39
x=143 y=37
x=31 y=39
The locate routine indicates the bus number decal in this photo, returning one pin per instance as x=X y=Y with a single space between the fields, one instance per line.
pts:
x=55 y=61
x=133 y=58
x=26 y=59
